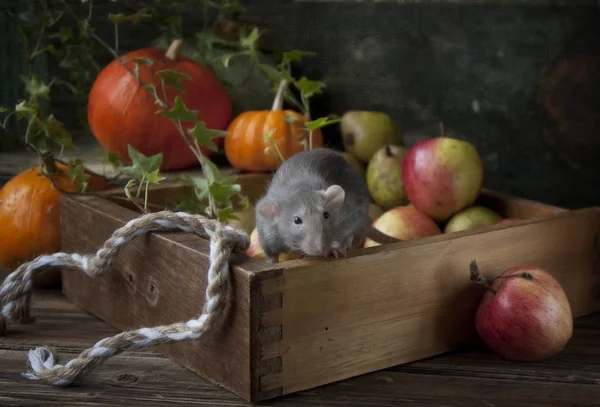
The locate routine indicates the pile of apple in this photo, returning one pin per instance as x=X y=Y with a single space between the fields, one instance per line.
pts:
x=427 y=189
x=524 y=313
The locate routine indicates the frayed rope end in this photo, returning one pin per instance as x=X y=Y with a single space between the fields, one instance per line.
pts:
x=41 y=361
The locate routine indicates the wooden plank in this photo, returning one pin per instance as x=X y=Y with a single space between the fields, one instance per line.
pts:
x=159 y=279
x=467 y=378
x=411 y=300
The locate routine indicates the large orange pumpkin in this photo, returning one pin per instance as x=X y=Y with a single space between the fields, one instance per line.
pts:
x=121 y=112
x=30 y=214
x=245 y=145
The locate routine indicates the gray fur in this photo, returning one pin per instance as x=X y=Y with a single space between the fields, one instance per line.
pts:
x=297 y=189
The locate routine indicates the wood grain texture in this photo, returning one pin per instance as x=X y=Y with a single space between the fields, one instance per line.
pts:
x=407 y=301
x=159 y=279
x=471 y=377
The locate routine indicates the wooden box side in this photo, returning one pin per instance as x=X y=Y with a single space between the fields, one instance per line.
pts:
x=160 y=278
x=394 y=304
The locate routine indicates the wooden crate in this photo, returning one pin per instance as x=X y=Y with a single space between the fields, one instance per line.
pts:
x=305 y=323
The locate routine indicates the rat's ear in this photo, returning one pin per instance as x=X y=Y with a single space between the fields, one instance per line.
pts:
x=268 y=210
x=334 y=197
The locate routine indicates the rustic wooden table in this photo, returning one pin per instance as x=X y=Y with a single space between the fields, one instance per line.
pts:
x=476 y=377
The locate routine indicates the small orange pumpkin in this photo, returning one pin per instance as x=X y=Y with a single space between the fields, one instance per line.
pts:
x=30 y=214
x=245 y=146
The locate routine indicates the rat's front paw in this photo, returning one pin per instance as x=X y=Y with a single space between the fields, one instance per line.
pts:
x=338 y=252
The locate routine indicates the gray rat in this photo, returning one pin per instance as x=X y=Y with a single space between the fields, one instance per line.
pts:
x=316 y=204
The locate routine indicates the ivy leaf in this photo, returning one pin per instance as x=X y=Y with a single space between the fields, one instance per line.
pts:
x=36 y=88
x=320 y=122
x=56 y=131
x=141 y=165
x=64 y=34
x=200 y=186
x=173 y=78
x=188 y=203
x=251 y=40
x=77 y=171
x=179 y=111
x=226 y=214
x=204 y=136
x=154 y=177
x=309 y=87
x=222 y=191
x=295 y=56
x=25 y=109
x=212 y=172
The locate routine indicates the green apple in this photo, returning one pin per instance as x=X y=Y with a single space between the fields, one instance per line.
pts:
x=364 y=132
x=471 y=218
x=384 y=177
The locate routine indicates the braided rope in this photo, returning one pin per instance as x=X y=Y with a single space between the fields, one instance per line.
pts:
x=15 y=292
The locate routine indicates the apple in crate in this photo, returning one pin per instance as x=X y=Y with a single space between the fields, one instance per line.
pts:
x=256 y=251
x=405 y=223
x=524 y=314
x=442 y=176
x=471 y=218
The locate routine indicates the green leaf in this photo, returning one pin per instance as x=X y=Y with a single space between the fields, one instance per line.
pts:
x=212 y=172
x=188 y=203
x=179 y=111
x=36 y=88
x=309 y=87
x=173 y=78
x=64 y=34
x=320 y=122
x=225 y=214
x=26 y=109
x=56 y=131
x=204 y=136
x=77 y=172
x=295 y=56
x=221 y=191
x=154 y=177
x=251 y=40
x=200 y=186
x=141 y=165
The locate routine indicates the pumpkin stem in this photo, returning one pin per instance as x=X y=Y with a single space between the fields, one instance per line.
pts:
x=278 y=102
x=173 y=51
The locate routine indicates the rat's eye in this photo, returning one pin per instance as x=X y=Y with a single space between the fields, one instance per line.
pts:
x=297 y=220
x=326 y=214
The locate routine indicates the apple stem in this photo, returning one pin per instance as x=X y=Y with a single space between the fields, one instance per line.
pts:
x=441 y=124
x=477 y=278
x=388 y=151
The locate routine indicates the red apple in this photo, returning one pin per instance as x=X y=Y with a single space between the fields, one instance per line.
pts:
x=405 y=223
x=442 y=176
x=524 y=315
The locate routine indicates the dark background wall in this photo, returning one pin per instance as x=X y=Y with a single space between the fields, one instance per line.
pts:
x=520 y=80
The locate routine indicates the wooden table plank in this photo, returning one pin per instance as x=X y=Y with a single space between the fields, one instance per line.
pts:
x=474 y=377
